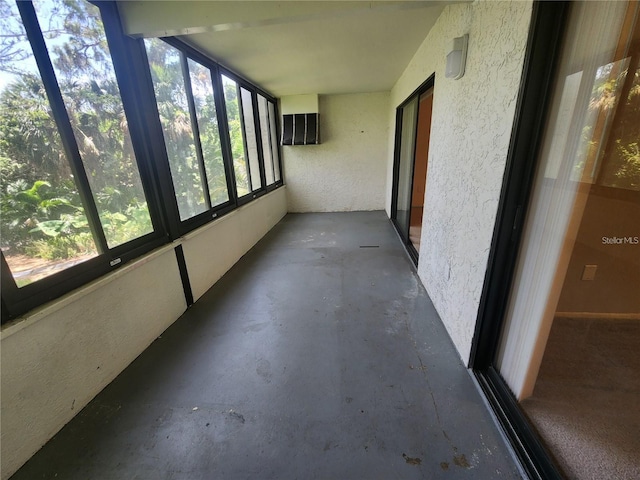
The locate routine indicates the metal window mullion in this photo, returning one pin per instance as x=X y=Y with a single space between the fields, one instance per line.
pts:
x=244 y=135
x=195 y=129
x=61 y=118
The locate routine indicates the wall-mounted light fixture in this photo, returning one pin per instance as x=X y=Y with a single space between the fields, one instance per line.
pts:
x=457 y=58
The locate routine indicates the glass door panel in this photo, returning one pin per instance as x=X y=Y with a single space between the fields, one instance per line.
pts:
x=405 y=167
x=421 y=160
x=569 y=343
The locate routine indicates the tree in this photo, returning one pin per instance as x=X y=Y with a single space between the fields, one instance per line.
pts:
x=31 y=152
x=621 y=168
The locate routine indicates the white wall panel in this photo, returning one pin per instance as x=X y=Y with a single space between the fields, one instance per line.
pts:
x=55 y=360
x=212 y=250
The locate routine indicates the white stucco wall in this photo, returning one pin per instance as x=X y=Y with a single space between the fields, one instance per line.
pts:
x=212 y=250
x=471 y=128
x=57 y=358
x=346 y=172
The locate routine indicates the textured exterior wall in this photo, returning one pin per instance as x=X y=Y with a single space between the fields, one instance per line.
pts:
x=346 y=172
x=471 y=128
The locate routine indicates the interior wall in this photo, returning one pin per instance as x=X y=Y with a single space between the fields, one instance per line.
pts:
x=471 y=127
x=609 y=237
x=346 y=172
x=57 y=358
x=422 y=152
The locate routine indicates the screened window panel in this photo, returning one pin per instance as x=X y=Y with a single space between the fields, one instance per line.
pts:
x=235 y=135
x=171 y=99
x=43 y=226
x=250 y=134
x=206 y=114
x=274 y=142
x=267 y=152
x=80 y=56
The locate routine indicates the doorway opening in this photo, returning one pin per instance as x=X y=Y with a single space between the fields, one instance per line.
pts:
x=413 y=131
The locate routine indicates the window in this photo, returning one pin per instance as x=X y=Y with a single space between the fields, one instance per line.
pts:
x=71 y=188
x=111 y=146
x=79 y=55
x=250 y=135
x=207 y=120
x=240 y=165
x=265 y=134
x=166 y=64
x=185 y=98
x=274 y=142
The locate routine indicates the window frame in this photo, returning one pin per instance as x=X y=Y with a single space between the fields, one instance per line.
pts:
x=255 y=91
x=277 y=148
x=133 y=76
x=546 y=33
x=274 y=149
x=256 y=134
x=241 y=83
x=181 y=227
x=270 y=136
x=17 y=301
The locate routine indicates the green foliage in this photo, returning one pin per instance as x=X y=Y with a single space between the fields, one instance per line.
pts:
x=169 y=87
x=39 y=223
x=62 y=247
x=42 y=214
x=623 y=168
x=628 y=170
x=235 y=134
x=616 y=97
x=28 y=134
x=24 y=209
x=122 y=226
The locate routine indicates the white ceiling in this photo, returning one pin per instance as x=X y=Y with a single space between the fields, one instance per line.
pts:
x=296 y=47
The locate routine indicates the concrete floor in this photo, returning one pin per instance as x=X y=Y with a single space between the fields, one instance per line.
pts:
x=318 y=356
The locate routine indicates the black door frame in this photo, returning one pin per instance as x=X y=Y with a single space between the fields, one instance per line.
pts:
x=543 y=47
x=423 y=88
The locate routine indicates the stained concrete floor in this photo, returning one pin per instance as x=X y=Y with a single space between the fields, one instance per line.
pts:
x=318 y=356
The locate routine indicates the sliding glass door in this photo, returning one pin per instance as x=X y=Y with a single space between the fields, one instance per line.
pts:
x=413 y=127
x=405 y=167
x=568 y=345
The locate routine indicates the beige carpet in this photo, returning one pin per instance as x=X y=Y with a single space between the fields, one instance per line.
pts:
x=586 y=403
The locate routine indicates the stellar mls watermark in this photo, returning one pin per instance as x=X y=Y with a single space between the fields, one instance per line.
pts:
x=620 y=240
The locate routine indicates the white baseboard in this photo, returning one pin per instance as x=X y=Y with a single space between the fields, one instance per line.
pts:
x=602 y=315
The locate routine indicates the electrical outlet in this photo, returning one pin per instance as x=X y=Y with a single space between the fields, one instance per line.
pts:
x=589 y=272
